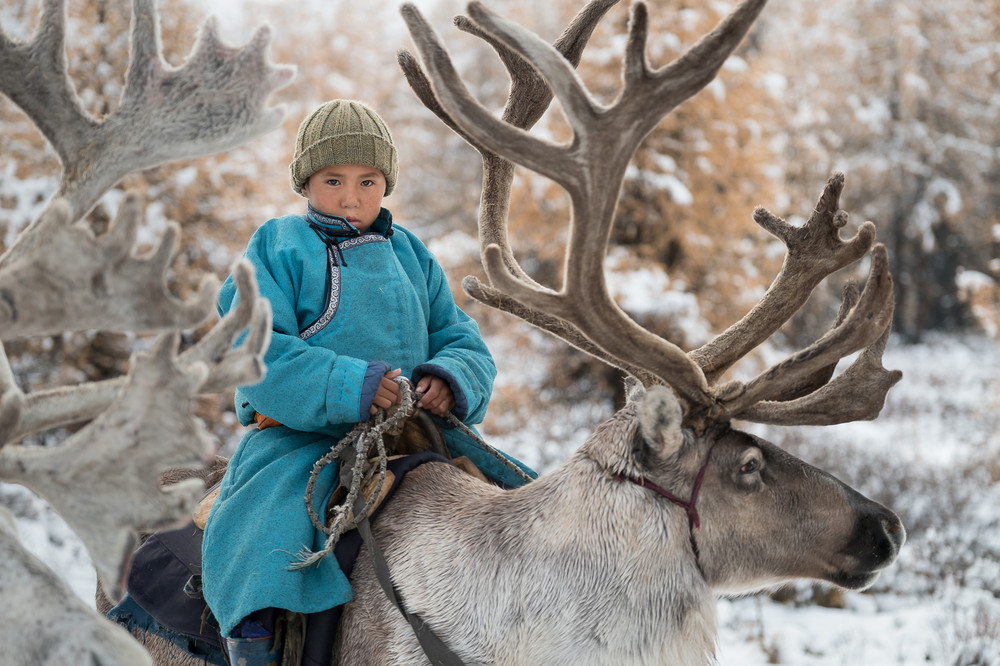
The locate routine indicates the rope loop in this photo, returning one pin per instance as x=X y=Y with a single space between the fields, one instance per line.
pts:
x=352 y=454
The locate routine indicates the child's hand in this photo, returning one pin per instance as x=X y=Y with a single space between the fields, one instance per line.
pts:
x=438 y=398
x=388 y=393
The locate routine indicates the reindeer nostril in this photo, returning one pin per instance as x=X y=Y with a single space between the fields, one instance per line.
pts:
x=877 y=539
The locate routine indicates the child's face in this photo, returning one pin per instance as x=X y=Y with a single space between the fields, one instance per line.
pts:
x=351 y=191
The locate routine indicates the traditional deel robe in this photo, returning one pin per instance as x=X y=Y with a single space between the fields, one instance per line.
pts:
x=347 y=307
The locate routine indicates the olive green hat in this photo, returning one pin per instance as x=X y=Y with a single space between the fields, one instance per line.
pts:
x=343 y=132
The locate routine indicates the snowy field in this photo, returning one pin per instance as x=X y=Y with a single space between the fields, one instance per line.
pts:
x=933 y=456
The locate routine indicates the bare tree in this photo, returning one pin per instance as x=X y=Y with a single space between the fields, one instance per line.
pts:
x=105 y=479
x=908 y=107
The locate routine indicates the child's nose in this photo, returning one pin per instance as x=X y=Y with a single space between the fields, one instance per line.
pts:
x=351 y=197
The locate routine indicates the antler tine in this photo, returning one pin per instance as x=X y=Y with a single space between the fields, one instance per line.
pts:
x=810 y=383
x=11 y=400
x=147 y=430
x=227 y=365
x=865 y=323
x=53 y=107
x=659 y=92
x=813 y=252
x=664 y=89
x=858 y=394
x=475 y=120
x=214 y=102
x=112 y=289
x=212 y=78
x=556 y=326
x=529 y=96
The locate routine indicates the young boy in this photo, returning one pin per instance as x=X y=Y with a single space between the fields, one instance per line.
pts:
x=356 y=302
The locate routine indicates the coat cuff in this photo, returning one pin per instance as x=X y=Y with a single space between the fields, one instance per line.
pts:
x=369 y=387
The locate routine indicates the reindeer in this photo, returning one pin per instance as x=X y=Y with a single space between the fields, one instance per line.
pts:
x=105 y=479
x=616 y=556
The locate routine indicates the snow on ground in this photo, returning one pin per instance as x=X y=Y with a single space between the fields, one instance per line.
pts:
x=933 y=456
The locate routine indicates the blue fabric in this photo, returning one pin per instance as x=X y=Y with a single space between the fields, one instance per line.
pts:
x=388 y=300
x=133 y=617
x=369 y=386
x=260 y=651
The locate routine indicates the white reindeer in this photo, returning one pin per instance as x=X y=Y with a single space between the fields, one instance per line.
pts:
x=616 y=557
x=105 y=479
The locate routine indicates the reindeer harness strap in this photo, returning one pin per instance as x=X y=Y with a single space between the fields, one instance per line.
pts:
x=438 y=653
x=694 y=521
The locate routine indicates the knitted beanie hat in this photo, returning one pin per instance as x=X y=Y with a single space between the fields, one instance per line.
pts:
x=343 y=132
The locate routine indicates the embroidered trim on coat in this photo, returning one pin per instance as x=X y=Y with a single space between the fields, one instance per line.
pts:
x=333 y=299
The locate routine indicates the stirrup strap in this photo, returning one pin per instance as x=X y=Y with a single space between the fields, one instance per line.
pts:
x=437 y=652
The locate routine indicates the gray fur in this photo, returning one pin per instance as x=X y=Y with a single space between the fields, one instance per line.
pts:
x=578 y=568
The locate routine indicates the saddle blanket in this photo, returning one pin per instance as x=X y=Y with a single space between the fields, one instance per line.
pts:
x=164 y=586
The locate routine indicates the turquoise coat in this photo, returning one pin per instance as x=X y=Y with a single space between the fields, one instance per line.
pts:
x=346 y=307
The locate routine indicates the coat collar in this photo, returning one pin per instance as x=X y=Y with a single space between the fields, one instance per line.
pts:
x=382 y=224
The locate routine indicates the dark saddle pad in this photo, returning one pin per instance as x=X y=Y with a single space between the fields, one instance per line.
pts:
x=164 y=587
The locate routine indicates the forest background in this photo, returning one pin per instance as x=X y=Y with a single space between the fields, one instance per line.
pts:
x=901 y=96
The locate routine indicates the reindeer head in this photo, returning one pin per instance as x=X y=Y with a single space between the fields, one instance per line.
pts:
x=757 y=516
x=740 y=493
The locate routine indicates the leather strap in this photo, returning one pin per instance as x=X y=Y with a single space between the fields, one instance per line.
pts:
x=437 y=652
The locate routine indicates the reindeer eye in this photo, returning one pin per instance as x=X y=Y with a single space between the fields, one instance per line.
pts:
x=750 y=466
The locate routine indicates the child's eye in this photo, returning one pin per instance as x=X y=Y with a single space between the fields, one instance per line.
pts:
x=332 y=181
x=368 y=183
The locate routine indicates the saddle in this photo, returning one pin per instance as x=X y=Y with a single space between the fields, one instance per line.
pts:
x=164 y=582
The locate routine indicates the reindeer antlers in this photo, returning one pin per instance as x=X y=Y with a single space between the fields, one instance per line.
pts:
x=215 y=102
x=529 y=96
x=796 y=390
x=65 y=630
x=106 y=479
x=582 y=312
x=144 y=427
x=602 y=135
x=814 y=252
x=226 y=365
x=76 y=281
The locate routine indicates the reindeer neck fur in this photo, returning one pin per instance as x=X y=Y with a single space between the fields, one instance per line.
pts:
x=574 y=568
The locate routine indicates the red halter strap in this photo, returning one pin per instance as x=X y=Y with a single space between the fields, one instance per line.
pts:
x=694 y=521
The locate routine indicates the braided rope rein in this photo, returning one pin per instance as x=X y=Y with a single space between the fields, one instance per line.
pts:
x=364 y=436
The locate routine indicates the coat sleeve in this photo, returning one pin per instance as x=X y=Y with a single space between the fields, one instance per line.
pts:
x=458 y=353
x=305 y=387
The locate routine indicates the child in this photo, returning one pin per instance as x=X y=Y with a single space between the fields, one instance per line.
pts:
x=356 y=302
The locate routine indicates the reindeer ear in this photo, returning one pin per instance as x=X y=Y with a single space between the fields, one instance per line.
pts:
x=659 y=424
